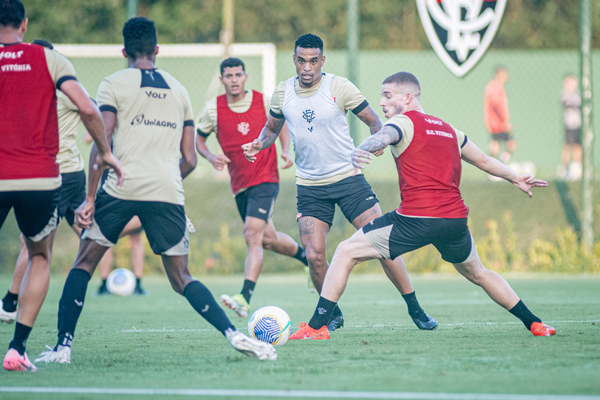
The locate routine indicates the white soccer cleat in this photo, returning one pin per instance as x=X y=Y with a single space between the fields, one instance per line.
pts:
x=237 y=303
x=8 y=317
x=249 y=346
x=62 y=355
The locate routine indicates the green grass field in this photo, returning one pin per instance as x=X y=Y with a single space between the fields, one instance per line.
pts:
x=159 y=342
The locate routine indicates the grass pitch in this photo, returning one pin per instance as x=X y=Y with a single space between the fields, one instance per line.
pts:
x=160 y=342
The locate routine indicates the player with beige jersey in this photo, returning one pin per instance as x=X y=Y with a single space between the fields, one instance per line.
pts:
x=30 y=178
x=427 y=152
x=72 y=190
x=149 y=116
x=237 y=117
x=315 y=105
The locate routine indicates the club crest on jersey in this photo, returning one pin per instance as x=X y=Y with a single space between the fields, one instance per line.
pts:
x=243 y=128
x=308 y=115
x=460 y=31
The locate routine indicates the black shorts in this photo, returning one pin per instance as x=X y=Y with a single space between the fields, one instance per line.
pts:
x=502 y=136
x=573 y=136
x=72 y=195
x=36 y=211
x=164 y=223
x=353 y=195
x=393 y=235
x=257 y=201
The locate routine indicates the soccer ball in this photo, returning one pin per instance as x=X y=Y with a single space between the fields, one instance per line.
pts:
x=270 y=324
x=121 y=282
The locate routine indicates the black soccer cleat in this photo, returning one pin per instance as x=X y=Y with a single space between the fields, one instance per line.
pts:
x=336 y=321
x=102 y=291
x=139 y=291
x=423 y=321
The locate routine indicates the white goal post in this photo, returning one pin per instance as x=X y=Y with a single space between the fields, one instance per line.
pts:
x=266 y=51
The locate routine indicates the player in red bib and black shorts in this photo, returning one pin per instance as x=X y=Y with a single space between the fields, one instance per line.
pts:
x=428 y=153
x=30 y=180
x=237 y=117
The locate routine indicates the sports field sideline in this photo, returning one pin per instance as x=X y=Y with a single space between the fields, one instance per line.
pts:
x=133 y=347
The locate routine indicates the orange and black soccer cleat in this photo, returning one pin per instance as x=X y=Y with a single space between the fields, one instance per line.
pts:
x=541 y=329
x=305 y=332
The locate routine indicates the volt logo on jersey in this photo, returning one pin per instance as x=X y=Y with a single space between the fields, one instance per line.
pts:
x=243 y=128
x=460 y=31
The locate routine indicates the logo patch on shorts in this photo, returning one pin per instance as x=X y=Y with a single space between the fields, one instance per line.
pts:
x=298 y=216
x=370 y=198
x=262 y=211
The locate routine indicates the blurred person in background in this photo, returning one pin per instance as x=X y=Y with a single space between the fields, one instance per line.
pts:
x=237 y=117
x=570 y=157
x=497 y=118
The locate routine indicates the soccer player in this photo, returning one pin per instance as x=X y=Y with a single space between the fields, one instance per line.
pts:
x=237 y=117
x=315 y=104
x=30 y=179
x=155 y=125
x=428 y=153
x=496 y=116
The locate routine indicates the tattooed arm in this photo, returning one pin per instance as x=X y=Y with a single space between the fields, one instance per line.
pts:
x=267 y=138
x=374 y=143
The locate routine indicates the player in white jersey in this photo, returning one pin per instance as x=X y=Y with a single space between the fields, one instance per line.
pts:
x=72 y=190
x=315 y=104
x=155 y=139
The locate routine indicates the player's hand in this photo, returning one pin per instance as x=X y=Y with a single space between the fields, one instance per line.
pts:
x=508 y=126
x=252 y=149
x=527 y=181
x=108 y=160
x=220 y=161
x=360 y=157
x=84 y=214
x=287 y=159
x=379 y=153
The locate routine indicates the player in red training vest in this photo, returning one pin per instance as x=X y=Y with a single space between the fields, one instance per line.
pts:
x=237 y=117
x=428 y=153
x=30 y=180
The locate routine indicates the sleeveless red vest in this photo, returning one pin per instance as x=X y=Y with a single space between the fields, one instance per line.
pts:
x=429 y=171
x=28 y=120
x=236 y=129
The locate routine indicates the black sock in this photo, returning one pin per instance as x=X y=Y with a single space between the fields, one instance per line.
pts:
x=248 y=289
x=138 y=282
x=103 y=286
x=9 y=302
x=71 y=304
x=20 y=339
x=323 y=313
x=412 y=303
x=204 y=303
x=522 y=312
x=301 y=255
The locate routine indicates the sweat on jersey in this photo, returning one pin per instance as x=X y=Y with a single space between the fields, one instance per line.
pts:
x=152 y=108
x=429 y=167
x=29 y=77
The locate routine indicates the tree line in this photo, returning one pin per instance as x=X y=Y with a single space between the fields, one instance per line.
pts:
x=385 y=24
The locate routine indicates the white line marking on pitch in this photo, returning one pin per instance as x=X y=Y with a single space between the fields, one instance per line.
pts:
x=319 y=394
x=133 y=329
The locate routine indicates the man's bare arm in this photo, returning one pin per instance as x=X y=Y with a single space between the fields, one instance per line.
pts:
x=219 y=161
x=189 y=158
x=373 y=144
x=371 y=119
x=284 y=138
x=267 y=137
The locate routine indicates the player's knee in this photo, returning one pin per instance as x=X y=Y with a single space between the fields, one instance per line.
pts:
x=268 y=243
x=253 y=236
x=316 y=259
x=344 y=250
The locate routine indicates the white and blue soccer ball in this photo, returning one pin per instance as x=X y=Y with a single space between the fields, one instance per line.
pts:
x=270 y=324
x=121 y=282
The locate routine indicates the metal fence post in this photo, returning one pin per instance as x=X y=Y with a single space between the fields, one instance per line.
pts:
x=353 y=44
x=587 y=143
x=132 y=8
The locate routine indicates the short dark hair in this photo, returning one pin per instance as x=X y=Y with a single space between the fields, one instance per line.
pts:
x=232 y=62
x=12 y=13
x=404 y=78
x=139 y=37
x=309 y=41
x=43 y=43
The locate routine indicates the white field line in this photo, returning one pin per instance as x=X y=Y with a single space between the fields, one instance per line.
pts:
x=318 y=394
x=164 y=330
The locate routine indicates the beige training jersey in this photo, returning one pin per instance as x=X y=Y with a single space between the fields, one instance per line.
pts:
x=69 y=158
x=408 y=132
x=152 y=108
x=207 y=122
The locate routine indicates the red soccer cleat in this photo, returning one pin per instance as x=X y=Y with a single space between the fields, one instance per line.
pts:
x=16 y=362
x=305 y=332
x=541 y=329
